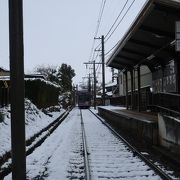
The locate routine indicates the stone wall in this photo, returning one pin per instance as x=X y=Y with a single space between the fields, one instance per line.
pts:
x=169 y=134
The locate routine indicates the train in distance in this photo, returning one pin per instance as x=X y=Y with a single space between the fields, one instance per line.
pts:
x=83 y=99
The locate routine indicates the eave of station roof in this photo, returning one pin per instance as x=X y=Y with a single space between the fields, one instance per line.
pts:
x=150 y=39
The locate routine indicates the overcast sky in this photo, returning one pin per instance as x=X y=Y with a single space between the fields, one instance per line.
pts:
x=62 y=31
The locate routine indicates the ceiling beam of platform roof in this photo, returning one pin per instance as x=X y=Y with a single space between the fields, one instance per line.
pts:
x=149 y=39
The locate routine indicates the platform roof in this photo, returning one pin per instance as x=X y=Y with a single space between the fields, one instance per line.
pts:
x=150 y=39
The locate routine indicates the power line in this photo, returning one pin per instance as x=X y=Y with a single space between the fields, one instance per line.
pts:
x=99 y=65
x=92 y=48
x=112 y=48
x=94 y=59
x=117 y=18
x=98 y=46
x=100 y=17
x=120 y=21
x=97 y=27
x=114 y=22
x=99 y=21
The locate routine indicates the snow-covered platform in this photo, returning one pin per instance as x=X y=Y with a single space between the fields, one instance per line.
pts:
x=141 y=124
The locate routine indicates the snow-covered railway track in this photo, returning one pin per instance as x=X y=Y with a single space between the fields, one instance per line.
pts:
x=61 y=155
x=31 y=144
x=109 y=157
x=85 y=151
x=160 y=170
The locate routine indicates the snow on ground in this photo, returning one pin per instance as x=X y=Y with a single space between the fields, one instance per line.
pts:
x=60 y=156
x=109 y=158
x=109 y=107
x=35 y=121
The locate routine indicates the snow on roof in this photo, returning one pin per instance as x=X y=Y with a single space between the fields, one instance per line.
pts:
x=101 y=91
x=43 y=80
x=34 y=76
x=4 y=70
x=7 y=78
x=111 y=84
x=4 y=78
x=109 y=93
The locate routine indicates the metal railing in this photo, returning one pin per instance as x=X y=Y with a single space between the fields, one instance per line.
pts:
x=166 y=102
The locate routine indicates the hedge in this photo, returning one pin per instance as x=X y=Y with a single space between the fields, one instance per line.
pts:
x=42 y=93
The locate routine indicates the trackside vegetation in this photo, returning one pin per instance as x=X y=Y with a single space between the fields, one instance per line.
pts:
x=41 y=93
x=1 y=117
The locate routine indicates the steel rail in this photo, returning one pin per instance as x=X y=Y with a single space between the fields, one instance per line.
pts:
x=51 y=127
x=162 y=174
x=85 y=152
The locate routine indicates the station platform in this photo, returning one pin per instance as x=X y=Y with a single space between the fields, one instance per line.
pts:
x=143 y=125
x=142 y=116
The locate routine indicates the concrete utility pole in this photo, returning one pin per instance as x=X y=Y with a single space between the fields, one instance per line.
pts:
x=103 y=67
x=94 y=73
x=94 y=70
x=17 y=89
x=89 y=82
x=103 y=70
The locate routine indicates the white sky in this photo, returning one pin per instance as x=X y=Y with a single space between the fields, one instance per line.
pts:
x=62 y=31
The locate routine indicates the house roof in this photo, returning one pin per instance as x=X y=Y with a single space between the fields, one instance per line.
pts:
x=3 y=70
x=111 y=84
x=150 y=39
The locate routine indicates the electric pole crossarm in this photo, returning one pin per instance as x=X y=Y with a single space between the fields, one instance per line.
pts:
x=103 y=66
x=91 y=63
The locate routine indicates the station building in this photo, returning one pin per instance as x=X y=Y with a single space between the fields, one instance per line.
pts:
x=148 y=62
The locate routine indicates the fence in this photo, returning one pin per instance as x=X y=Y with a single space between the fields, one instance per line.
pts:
x=4 y=96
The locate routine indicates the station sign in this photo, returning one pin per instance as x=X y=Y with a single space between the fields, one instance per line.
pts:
x=177 y=35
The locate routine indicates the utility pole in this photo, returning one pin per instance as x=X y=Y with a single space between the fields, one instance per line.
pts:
x=103 y=68
x=94 y=70
x=17 y=89
x=112 y=70
x=89 y=84
x=94 y=74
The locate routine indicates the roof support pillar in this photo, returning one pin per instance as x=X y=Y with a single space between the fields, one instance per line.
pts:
x=139 y=87
x=132 y=89
x=177 y=76
x=162 y=88
x=126 y=81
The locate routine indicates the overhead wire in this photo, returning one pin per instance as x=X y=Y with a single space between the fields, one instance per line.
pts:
x=107 y=36
x=97 y=27
x=111 y=48
x=100 y=18
x=98 y=46
x=116 y=19
x=117 y=26
x=120 y=21
x=92 y=52
x=90 y=67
